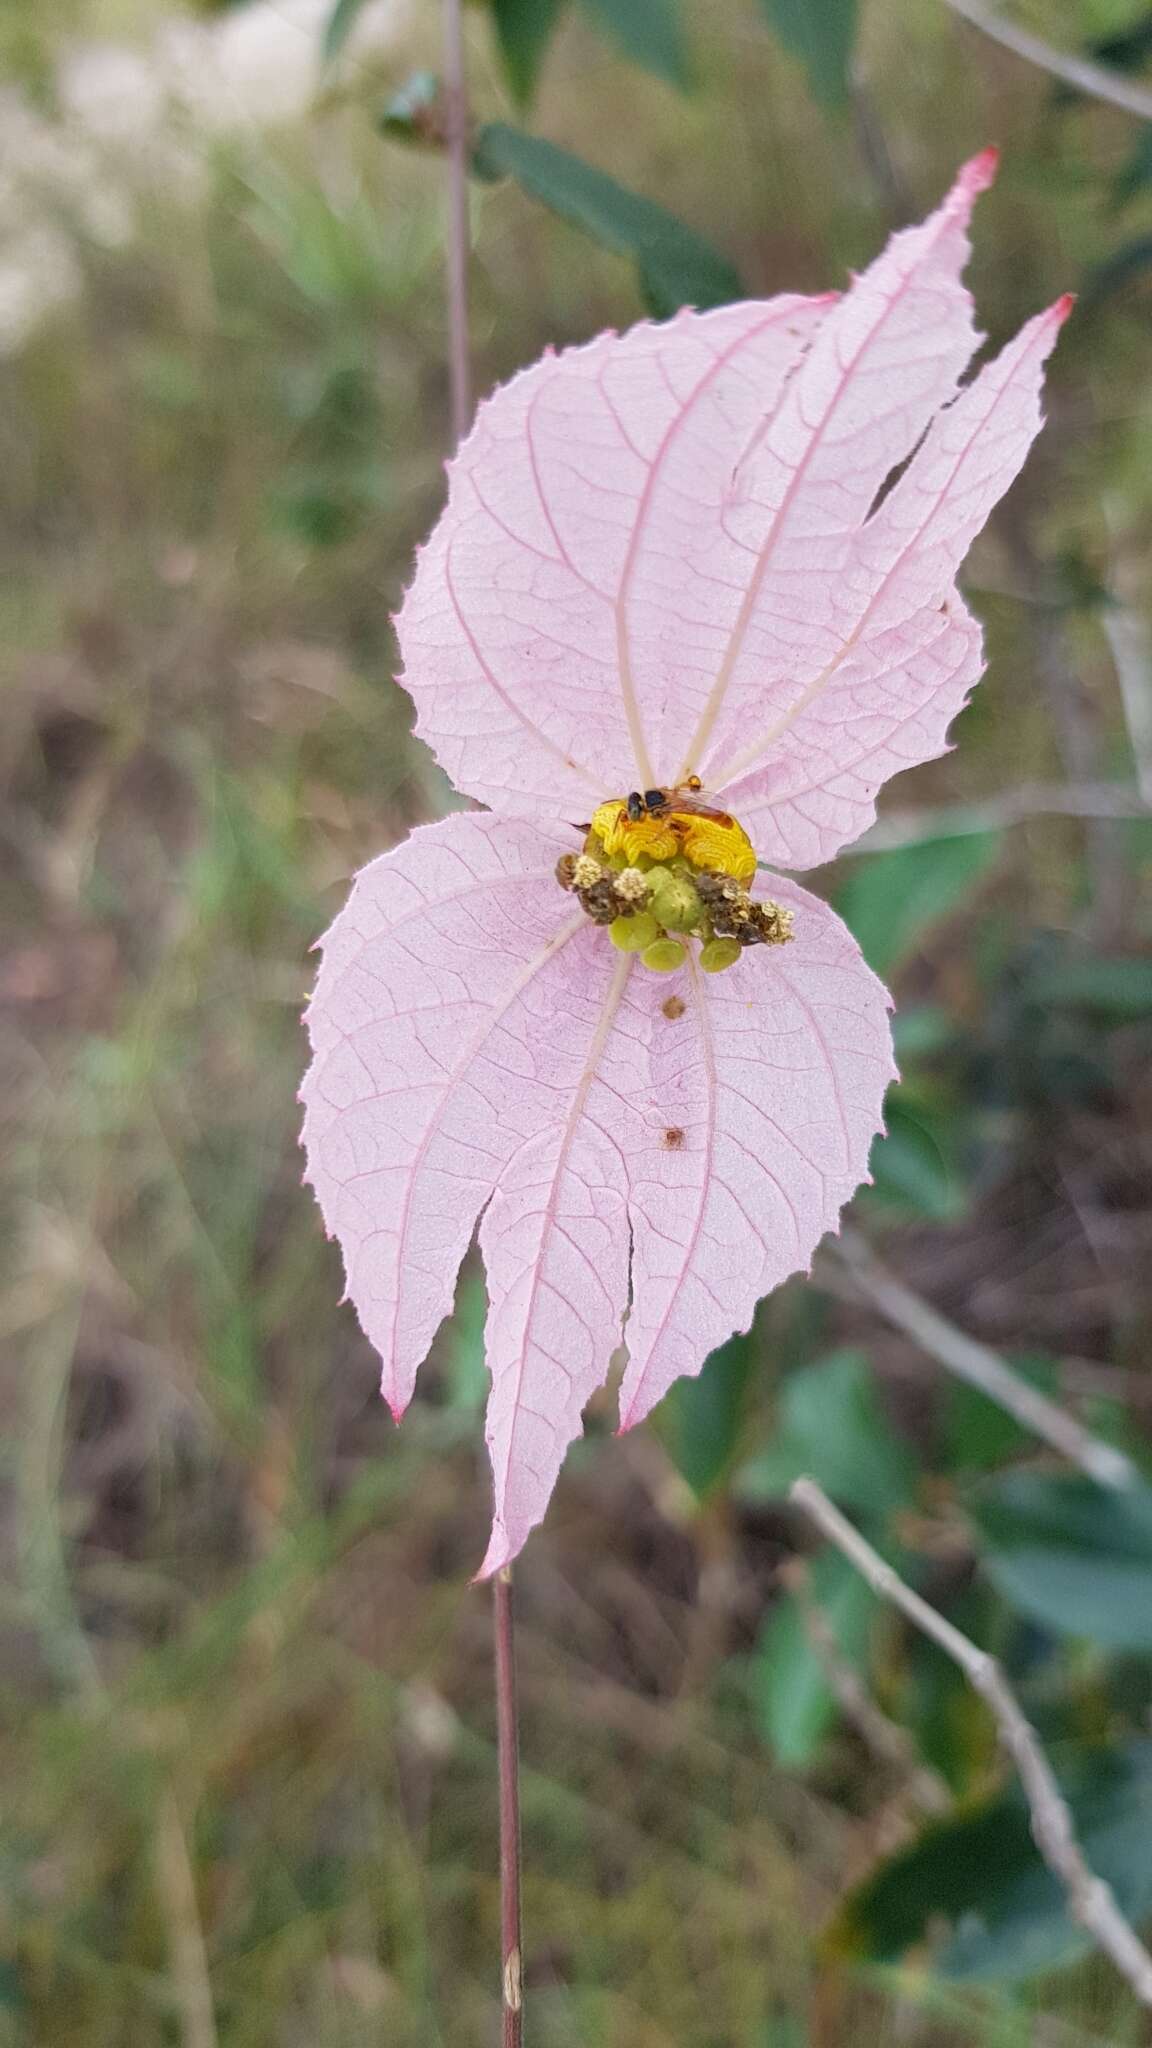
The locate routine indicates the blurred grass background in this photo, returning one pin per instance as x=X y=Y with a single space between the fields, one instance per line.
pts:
x=247 y=1732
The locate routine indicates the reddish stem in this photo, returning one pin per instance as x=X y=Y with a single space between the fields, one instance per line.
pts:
x=508 y=1755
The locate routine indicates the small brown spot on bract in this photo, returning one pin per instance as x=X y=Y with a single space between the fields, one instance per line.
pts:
x=673 y=1007
x=673 y=1139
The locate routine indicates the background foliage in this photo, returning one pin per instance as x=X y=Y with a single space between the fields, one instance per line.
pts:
x=246 y=1718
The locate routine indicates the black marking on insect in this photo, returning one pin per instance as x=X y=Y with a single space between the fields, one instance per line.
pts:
x=681 y=796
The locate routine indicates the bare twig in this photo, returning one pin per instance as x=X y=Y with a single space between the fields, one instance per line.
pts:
x=1011 y=807
x=886 y=1739
x=508 y=1752
x=978 y=1364
x=1090 y=1900
x=456 y=247
x=187 y=1955
x=1093 y=79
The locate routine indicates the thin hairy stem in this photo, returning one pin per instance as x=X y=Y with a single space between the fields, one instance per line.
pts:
x=508 y=1755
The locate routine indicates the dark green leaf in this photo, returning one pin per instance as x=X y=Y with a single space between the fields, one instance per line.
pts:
x=524 y=29
x=1073 y=1555
x=979 y=1434
x=832 y=1427
x=1125 y=49
x=701 y=1418
x=339 y=26
x=1136 y=173
x=920 y=1031
x=677 y=267
x=794 y=1702
x=1123 y=987
x=822 y=34
x=980 y=1872
x=649 y=32
x=892 y=900
x=911 y=1167
x=947 y=1720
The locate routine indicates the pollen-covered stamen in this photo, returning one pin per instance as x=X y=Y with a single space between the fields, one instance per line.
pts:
x=660 y=867
x=733 y=914
x=633 y=887
x=606 y=894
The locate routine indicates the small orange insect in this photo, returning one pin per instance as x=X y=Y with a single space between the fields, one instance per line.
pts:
x=682 y=796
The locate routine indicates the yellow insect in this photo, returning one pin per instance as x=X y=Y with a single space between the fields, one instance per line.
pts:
x=660 y=824
x=682 y=797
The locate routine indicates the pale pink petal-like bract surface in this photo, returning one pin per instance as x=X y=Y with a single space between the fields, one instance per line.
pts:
x=726 y=545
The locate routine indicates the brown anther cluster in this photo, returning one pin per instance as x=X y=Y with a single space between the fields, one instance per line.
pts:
x=603 y=894
x=732 y=913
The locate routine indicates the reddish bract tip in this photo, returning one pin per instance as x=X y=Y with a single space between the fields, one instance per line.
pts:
x=1062 y=306
x=980 y=170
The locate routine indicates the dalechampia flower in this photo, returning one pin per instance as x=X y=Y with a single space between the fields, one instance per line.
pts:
x=690 y=603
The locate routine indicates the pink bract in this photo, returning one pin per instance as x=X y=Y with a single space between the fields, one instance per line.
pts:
x=666 y=552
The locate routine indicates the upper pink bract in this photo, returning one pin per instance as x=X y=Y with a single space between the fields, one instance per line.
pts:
x=664 y=552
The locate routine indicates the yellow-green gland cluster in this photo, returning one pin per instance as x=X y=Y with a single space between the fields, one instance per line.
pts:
x=654 y=910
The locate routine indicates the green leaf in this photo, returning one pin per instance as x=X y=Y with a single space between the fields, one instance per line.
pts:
x=524 y=30
x=701 y=1418
x=795 y=1705
x=911 y=1168
x=465 y=1364
x=980 y=1872
x=822 y=34
x=979 y=1433
x=1072 y=1555
x=947 y=1720
x=648 y=32
x=832 y=1427
x=1135 y=174
x=676 y=266
x=891 y=901
x=920 y=1031
x=1122 y=988
x=338 y=28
